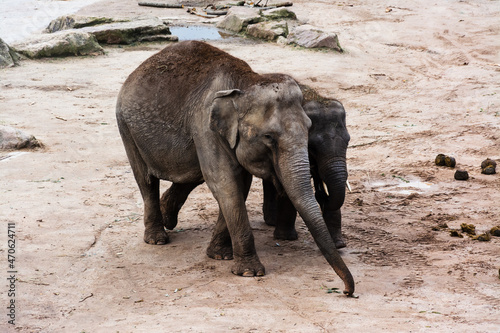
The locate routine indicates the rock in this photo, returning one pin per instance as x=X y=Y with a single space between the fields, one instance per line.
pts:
x=127 y=32
x=456 y=233
x=8 y=57
x=486 y=237
x=439 y=160
x=75 y=22
x=468 y=228
x=60 y=44
x=444 y=160
x=488 y=167
x=450 y=161
x=238 y=18
x=11 y=138
x=159 y=38
x=311 y=37
x=278 y=14
x=461 y=175
x=268 y=30
x=495 y=231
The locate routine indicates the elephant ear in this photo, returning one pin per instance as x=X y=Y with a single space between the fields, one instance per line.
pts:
x=224 y=115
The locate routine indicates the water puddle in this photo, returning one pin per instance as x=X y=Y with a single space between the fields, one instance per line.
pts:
x=12 y=155
x=198 y=33
x=403 y=187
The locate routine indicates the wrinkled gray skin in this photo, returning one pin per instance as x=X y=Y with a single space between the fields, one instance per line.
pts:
x=328 y=141
x=193 y=113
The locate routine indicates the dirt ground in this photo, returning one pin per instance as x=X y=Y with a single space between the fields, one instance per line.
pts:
x=418 y=78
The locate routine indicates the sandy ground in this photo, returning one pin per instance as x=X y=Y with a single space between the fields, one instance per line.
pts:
x=416 y=81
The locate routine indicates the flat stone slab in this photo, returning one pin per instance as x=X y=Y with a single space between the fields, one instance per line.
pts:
x=127 y=32
x=75 y=22
x=59 y=44
x=312 y=37
x=11 y=138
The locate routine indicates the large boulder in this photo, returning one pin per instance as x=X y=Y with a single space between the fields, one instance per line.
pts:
x=238 y=18
x=128 y=32
x=8 y=57
x=268 y=30
x=311 y=37
x=11 y=138
x=59 y=44
x=75 y=22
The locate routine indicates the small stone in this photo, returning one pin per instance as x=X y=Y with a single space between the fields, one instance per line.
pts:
x=461 y=175
x=468 y=228
x=495 y=231
x=456 y=233
x=488 y=162
x=488 y=167
x=440 y=160
x=483 y=237
x=449 y=161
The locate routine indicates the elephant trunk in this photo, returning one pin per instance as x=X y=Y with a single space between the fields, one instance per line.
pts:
x=294 y=175
x=333 y=172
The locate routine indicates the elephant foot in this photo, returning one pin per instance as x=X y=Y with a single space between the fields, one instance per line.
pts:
x=156 y=236
x=285 y=234
x=339 y=241
x=220 y=252
x=269 y=221
x=170 y=221
x=248 y=268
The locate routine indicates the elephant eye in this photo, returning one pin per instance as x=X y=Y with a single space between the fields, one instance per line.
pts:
x=269 y=137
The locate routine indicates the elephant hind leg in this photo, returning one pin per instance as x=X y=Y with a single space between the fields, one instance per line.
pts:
x=149 y=186
x=172 y=201
x=220 y=247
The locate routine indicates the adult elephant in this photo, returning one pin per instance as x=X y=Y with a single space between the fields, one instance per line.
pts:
x=193 y=113
x=328 y=141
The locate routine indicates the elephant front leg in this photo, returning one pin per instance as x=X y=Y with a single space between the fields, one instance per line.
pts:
x=172 y=201
x=233 y=237
x=333 y=221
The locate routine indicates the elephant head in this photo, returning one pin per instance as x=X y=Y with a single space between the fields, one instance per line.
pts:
x=328 y=141
x=268 y=129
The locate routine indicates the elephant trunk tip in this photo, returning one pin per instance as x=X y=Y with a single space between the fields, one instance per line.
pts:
x=349 y=287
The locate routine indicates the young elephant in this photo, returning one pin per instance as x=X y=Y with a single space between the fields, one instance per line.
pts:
x=328 y=141
x=193 y=113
